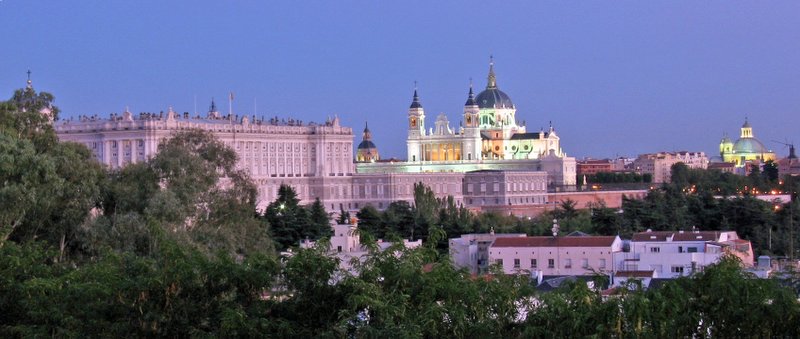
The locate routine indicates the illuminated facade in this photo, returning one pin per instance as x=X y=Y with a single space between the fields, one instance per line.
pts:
x=489 y=139
x=747 y=149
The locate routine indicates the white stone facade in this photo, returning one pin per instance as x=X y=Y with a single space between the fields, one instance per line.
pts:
x=316 y=159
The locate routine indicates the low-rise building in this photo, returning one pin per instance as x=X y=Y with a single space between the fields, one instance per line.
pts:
x=672 y=254
x=471 y=251
x=546 y=256
x=659 y=165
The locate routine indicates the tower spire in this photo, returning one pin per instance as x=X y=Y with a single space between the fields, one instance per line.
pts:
x=471 y=97
x=492 y=78
x=415 y=102
x=30 y=84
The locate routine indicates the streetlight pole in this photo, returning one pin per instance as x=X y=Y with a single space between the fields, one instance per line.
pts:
x=791 y=229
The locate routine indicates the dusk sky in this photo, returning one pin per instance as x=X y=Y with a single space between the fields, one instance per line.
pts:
x=615 y=78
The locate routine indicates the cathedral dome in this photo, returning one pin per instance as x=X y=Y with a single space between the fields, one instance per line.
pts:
x=749 y=145
x=494 y=98
x=366 y=144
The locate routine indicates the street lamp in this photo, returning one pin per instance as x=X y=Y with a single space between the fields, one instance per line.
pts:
x=555 y=228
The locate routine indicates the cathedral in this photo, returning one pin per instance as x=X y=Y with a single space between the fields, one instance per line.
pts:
x=489 y=137
x=747 y=149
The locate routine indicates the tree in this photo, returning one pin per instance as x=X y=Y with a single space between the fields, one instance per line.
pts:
x=425 y=210
x=370 y=220
x=49 y=187
x=319 y=221
x=288 y=220
x=770 y=171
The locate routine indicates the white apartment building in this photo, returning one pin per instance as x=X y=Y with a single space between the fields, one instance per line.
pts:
x=675 y=254
x=545 y=255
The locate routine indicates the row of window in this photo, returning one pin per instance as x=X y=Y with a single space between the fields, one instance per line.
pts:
x=690 y=249
x=551 y=263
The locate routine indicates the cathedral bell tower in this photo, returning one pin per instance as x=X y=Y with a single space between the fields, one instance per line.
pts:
x=416 y=118
x=471 y=147
x=471 y=110
x=416 y=129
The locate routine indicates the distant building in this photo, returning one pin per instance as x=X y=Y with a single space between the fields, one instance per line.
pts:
x=345 y=244
x=594 y=166
x=315 y=159
x=789 y=165
x=724 y=167
x=555 y=256
x=659 y=165
x=471 y=251
x=673 y=254
x=747 y=149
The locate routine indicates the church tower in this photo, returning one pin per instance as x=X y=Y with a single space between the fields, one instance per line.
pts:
x=725 y=146
x=416 y=117
x=471 y=148
x=471 y=110
x=416 y=128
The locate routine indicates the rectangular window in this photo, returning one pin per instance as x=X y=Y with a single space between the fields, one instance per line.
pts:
x=568 y=263
x=602 y=263
x=551 y=263
x=691 y=249
x=533 y=263
x=655 y=249
x=499 y=262
x=585 y=263
x=516 y=263
x=680 y=249
x=677 y=269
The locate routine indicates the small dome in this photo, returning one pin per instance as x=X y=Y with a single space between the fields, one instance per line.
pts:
x=749 y=145
x=366 y=144
x=494 y=98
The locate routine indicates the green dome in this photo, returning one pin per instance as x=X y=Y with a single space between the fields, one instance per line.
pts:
x=749 y=145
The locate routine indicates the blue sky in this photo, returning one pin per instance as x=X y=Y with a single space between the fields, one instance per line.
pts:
x=615 y=78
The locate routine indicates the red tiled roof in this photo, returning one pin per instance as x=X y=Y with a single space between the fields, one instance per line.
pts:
x=635 y=274
x=590 y=241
